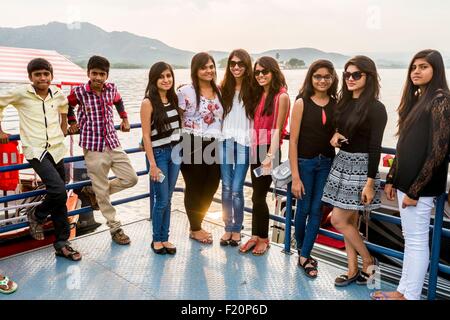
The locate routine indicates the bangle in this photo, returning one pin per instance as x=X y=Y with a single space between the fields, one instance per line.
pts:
x=269 y=155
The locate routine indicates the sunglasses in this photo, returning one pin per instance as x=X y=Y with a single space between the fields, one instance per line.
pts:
x=319 y=77
x=240 y=64
x=264 y=72
x=355 y=75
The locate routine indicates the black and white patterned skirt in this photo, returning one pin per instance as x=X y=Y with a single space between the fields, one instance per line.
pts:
x=346 y=180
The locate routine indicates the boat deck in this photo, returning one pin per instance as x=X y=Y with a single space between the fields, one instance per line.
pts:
x=204 y=272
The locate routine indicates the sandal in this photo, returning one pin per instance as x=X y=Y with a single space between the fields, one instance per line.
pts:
x=36 y=228
x=225 y=242
x=235 y=243
x=9 y=285
x=343 y=280
x=249 y=245
x=364 y=277
x=70 y=255
x=206 y=240
x=260 y=253
x=382 y=295
x=309 y=270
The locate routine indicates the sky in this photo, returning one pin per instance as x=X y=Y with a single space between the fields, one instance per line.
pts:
x=344 y=26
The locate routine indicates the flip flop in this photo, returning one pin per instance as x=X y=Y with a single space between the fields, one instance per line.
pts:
x=11 y=288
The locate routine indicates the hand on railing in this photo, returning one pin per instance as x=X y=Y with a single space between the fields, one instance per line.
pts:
x=125 y=125
x=74 y=128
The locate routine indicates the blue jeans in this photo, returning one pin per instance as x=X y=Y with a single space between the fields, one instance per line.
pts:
x=169 y=164
x=233 y=168
x=313 y=173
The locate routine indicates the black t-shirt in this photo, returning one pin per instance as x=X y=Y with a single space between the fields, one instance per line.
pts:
x=316 y=130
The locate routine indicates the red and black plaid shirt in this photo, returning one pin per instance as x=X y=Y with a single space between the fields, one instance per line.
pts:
x=95 y=116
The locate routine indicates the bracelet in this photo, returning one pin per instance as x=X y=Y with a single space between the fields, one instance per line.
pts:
x=269 y=155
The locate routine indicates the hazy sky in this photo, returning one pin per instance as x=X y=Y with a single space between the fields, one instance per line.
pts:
x=344 y=26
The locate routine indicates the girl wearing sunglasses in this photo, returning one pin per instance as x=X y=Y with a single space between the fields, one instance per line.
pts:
x=270 y=121
x=311 y=154
x=419 y=171
x=236 y=89
x=202 y=127
x=353 y=183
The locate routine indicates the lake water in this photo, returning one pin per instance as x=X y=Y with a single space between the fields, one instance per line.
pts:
x=132 y=83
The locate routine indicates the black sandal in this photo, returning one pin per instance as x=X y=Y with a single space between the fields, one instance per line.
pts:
x=70 y=256
x=308 y=270
x=343 y=280
x=364 y=277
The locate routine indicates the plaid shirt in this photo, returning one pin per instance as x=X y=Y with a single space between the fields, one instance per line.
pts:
x=95 y=116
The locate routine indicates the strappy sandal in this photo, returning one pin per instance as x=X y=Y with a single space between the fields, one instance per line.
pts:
x=309 y=270
x=343 y=280
x=260 y=253
x=225 y=242
x=234 y=243
x=10 y=285
x=36 y=228
x=70 y=255
x=249 y=245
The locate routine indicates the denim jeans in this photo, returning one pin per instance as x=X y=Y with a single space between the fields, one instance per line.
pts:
x=168 y=161
x=233 y=169
x=313 y=173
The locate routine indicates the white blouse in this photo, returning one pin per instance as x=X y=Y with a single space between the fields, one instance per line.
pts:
x=236 y=125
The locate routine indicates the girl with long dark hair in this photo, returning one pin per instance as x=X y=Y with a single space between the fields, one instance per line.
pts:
x=311 y=154
x=236 y=89
x=353 y=183
x=270 y=121
x=202 y=127
x=419 y=171
x=161 y=124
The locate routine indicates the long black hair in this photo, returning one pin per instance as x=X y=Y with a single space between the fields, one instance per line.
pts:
x=198 y=61
x=413 y=105
x=228 y=84
x=278 y=82
x=369 y=95
x=151 y=92
x=307 y=89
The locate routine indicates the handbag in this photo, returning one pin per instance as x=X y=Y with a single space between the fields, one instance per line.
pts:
x=282 y=175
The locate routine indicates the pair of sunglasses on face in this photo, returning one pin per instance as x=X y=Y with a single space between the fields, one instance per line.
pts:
x=240 y=64
x=355 y=75
x=265 y=72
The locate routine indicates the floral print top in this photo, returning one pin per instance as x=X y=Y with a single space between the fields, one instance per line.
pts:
x=204 y=120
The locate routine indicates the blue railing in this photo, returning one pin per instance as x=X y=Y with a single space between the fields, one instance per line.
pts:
x=438 y=231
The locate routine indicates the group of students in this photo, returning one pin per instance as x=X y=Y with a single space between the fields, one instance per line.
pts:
x=216 y=132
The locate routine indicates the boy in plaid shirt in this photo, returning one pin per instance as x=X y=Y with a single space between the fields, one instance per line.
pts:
x=99 y=140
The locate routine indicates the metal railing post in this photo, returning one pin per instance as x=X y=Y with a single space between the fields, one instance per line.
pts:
x=287 y=225
x=436 y=247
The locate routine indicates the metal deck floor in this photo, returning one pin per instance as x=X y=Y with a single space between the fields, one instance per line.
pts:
x=109 y=271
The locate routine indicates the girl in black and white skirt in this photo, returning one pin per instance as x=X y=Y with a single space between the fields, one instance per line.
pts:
x=353 y=183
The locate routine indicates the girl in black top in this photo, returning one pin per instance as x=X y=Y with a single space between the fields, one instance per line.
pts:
x=419 y=171
x=311 y=154
x=353 y=182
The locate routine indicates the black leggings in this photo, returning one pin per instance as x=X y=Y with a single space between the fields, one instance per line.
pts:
x=261 y=186
x=201 y=179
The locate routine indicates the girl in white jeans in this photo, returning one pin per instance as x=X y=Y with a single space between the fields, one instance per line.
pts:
x=419 y=171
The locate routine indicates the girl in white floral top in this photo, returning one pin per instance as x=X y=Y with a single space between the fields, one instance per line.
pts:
x=202 y=126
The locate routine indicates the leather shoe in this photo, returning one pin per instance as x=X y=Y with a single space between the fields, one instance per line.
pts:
x=162 y=250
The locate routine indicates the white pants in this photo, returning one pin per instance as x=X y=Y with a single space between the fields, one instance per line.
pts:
x=415 y=227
